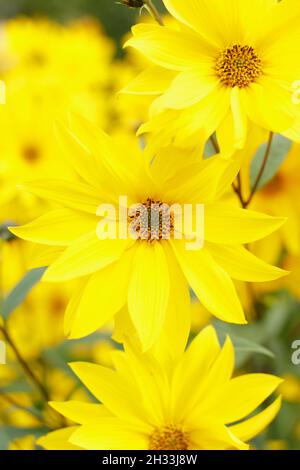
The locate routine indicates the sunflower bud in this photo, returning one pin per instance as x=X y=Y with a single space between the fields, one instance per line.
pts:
x=133 y=3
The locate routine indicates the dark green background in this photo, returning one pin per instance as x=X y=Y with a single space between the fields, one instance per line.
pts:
x=116 y=19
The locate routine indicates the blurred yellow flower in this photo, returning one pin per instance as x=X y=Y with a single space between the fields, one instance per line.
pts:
x=277 y=444
x=290 y=388
x=23 y=443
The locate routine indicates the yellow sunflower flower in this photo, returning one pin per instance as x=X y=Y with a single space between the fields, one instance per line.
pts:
x=151 y=270
x=231 y=64
x=190 y=405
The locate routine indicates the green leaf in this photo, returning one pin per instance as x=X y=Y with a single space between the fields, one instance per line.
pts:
x=279 y=150
x=21 y=290
x=244 y=347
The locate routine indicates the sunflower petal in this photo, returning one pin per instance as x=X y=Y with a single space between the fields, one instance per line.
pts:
x=253 y=426
x=85 y=256
x=98 y=302
x=149 y=292
x=206 y=278
x=242 y=265
x=229 y=225
x=110 y=434
x=58 y=228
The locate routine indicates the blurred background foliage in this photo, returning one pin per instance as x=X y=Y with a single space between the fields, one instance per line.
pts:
x=116 y=19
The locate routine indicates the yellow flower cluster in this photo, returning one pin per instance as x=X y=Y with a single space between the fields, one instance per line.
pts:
x=148 y=238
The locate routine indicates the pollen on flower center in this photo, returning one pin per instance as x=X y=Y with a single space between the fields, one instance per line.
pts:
x=169 y=438
x=151 y=220
x=238 y=66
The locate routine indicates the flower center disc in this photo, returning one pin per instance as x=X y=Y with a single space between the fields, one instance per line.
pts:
x=31 y=154
x=169 y=438
x=151 y=220
x=238 y=66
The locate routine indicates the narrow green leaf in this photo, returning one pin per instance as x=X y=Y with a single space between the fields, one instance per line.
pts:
x=21 y=290
x=279 y=150
x=245 y=345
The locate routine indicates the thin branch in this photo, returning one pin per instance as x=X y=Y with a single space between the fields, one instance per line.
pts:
x=261 y=171
x=238 y=190
x=215 y=143
x=153 y=11
x=31 y=375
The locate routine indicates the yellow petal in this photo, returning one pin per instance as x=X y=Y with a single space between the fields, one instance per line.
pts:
x=152 y=81
x=76 y=196
x=175 y=50
x=188 y=88
x=149 y=291
x=213 y=435
x=240 y=396
x=217 y=376
x=206 y=278
x=198 y=182
x=229 y=225
x=259 y=101
x=59 y=227
x=85 y=256
x=116 y=392
x=239 y=118
x=80 y=412
x=117 y=175
x=42 y=255
x=59 y=440
x=175 y=331
x=242 y=265
x=98 y=302
x=83 y=161
x=110 y=434
x=255 y=425
x=193 y=366
x=153 y=383
x=203 y=17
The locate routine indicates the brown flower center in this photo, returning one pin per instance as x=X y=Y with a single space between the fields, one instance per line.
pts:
x=151 y=220
x=169 y=438
x=238 y=66
x=31 y=154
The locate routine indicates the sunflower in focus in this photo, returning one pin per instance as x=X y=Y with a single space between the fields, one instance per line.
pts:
x=81 y=249
x=230 y=65
x=192 y=405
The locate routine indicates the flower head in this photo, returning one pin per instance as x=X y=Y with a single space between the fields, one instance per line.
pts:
x=222 y=69
x=192 y=404
x=151 y=255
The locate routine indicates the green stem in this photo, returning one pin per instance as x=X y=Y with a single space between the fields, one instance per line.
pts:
x=153 y=11
x=31 y=375
x=261 y=171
